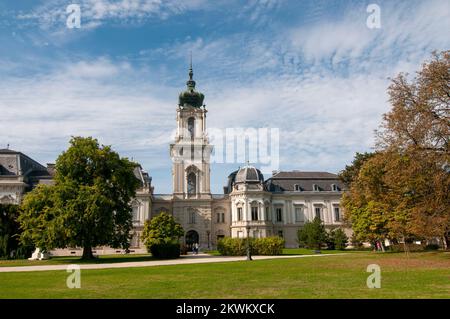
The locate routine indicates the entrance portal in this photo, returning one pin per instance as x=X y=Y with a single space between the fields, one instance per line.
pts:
x=191 y=238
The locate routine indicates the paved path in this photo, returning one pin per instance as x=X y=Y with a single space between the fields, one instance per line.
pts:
x=183 y=260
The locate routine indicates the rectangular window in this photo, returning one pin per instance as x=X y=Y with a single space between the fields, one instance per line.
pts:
x=337 y=214
x=220 y=217
x=254 y=213
x=299 y=215
x=239 y=213
x=267 y=213
x=192 y=217
x=318 y=212
x=279 y=213
x=135 y=213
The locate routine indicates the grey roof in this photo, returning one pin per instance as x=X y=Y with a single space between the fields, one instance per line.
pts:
x=142 y=176
x=249 y=174
x=305 y=181
x=308 y=175
x=8 y=151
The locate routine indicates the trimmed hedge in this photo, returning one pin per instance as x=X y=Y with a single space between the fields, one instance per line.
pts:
x=165 y=250
x=258 y=246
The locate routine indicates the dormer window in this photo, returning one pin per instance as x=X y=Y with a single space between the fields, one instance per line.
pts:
x=316 y=188
x=297 y=188
x=334 y=188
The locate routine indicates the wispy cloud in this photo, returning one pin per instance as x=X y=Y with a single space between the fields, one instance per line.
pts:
x=323 y=83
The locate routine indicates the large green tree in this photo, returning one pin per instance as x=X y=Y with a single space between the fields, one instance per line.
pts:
x=89 y=203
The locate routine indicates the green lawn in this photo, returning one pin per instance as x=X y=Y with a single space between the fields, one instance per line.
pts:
x=130 y=258
x=421 y=275
x=106 y=259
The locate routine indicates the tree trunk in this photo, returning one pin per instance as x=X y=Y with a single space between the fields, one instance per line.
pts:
x=87 y=253
x=445 y=242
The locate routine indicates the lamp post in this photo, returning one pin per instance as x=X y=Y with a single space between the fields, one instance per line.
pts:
x=208 y=235
x=249 y=255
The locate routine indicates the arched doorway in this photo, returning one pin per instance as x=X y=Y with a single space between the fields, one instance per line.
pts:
x=191 y=238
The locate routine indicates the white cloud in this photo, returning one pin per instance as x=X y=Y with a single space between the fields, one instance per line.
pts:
x=324 y=85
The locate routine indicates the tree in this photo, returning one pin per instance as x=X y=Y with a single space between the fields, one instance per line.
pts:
x=418 y=130
x=338 y=238
x=350 y=173
x=161 y=236
x=312 y=234
x=10 y=233
x=89 y=203
x=403 y=190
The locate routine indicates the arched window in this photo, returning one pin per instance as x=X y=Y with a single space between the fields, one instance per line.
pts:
x=254 y=212
x=191 y=183
x=191 y=127
x=239 y=213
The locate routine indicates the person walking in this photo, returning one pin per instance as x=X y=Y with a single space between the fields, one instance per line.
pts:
x=196 y=248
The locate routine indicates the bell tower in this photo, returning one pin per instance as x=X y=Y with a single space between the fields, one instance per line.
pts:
x=191 y=151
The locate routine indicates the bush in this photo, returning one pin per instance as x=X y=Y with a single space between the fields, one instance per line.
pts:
x=161 y=235
x=165 y=250
x=232 y=246
x=312 y=235
x=337 y=239
x=183 y=249
x=258 y=246
x=432 y=247
x=267 y=246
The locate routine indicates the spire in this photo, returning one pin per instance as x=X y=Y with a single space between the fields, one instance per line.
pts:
x=191 y=72
x=190 y=96
x=191 y=83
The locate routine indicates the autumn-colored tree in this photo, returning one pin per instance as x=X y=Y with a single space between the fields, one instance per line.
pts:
x=403 y=191
x=350 y=173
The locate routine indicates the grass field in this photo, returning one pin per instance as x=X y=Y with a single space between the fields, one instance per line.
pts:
x=105 y=259
x=421 y=275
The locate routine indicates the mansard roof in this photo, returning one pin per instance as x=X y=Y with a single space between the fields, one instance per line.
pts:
x=290 y=181
x=304 y=175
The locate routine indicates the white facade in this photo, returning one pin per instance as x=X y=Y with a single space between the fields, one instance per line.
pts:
x=250 y=205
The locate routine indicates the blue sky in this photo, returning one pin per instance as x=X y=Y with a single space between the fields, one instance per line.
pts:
x=313 y=69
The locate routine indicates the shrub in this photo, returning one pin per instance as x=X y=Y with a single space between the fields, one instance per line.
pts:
x=432 y=247
x=232 y=246
x=183 y=249
x=259 y=246
x=161 y=235
x=165 y=250
x=337 y=239
x=312 y=235
x=267 y=246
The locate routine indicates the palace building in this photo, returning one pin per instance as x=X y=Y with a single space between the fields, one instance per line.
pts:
x=251 y=205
